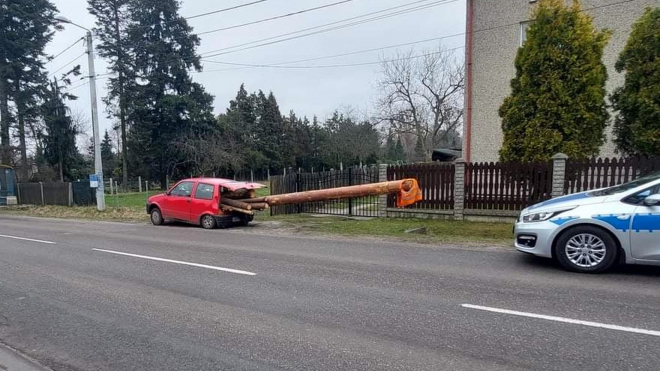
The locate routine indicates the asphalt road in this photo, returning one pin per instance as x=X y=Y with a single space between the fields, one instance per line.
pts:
x=267 y=301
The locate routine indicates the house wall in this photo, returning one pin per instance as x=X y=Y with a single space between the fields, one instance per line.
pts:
x=495 y=42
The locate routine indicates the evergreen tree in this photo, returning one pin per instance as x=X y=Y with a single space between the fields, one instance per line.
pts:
x=60 y=137
x=108 y=157
x=168 y=106
x=399 y=152
x=419 y=154
x=270 y=131
x=637 y=125
x=25 y=29
x=112 y=18
x=557 y=103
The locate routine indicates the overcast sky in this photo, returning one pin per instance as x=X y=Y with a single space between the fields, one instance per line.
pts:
x=306 y=91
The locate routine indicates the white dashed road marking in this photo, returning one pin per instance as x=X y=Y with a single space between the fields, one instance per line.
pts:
x=27 y=239
x=565 y=320
x=179 y=262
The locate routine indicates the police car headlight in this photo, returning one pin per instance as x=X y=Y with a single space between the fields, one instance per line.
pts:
x=542 y=215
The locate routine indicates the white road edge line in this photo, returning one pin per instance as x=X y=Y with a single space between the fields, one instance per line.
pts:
x=179 y=262
x=565 y=320
x=27 y=239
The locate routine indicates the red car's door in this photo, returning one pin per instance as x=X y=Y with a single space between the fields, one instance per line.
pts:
x=204 y=201
x=177 y=202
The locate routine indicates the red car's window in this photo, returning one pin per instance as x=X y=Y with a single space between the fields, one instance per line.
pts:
x=183 y=189
x=204 y=191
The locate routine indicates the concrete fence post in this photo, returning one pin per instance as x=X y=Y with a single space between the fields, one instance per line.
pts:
x=70 y=194
x=111 y=186
x=140 y=184
x=459 y=189
x=41 y=185
x=382 y=199
x=558 y=174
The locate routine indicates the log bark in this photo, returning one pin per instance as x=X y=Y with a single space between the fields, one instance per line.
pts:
x=235 y=203
x=341 y=192
x=253 y=200
x=260 y=206
x=236 y=209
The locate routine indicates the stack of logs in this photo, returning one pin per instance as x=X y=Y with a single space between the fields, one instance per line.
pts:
x=242 y=201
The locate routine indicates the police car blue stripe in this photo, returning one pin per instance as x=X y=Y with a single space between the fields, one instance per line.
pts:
x=646 y=223
x=618 y=221
x=562 y=221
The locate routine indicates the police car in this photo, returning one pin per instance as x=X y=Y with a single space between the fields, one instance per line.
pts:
x=588 y=232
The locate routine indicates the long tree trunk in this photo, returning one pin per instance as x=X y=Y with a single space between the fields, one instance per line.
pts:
x=122 y=99
x=5 y=146
x=20 y=113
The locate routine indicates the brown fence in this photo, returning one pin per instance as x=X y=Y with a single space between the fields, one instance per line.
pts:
x=506 y=186
x=435 y=180
x=584 y=175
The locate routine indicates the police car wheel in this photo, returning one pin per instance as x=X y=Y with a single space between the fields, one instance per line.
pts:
x=586 y=249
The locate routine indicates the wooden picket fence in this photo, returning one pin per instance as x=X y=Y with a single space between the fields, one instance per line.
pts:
x=507 y=186
x=435 y=180
x=584 y=175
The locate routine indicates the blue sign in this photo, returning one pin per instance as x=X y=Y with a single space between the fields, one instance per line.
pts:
x=93 y=181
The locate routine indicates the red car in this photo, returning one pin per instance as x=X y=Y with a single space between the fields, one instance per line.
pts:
x=197 y=201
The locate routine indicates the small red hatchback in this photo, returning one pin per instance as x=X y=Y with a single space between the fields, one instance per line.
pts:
x=197 y=201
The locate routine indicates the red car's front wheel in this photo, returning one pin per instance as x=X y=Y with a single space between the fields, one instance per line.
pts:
x=156 y=216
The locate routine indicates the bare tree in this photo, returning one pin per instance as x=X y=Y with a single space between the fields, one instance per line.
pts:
x=422 y=97
x=206 y=153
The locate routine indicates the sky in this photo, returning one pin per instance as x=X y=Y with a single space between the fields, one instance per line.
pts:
x=308 y=91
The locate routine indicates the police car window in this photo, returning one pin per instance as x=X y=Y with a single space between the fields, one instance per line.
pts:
x=204 y=191
x=638 y=198
x=182 y=189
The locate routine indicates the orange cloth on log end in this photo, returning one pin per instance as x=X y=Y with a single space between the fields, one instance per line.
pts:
x=405 y=198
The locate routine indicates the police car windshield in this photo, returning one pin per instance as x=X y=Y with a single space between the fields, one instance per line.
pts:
x=627 y=186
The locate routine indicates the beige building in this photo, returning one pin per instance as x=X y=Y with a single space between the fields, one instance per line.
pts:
x=495 y=31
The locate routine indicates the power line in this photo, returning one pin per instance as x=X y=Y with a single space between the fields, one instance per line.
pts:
x=228 y=51
x=582 y=10
x=76 y=87
x=66 y=65
x=359 y=51
x=67 y=48
x=225 y=9
x=404 y=11
x=274 y=18
x=337 y=65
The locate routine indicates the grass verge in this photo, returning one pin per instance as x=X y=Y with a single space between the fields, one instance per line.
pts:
x=437 y=231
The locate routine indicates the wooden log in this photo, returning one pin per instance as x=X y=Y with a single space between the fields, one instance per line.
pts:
x=237 y=194
x=253 y=200
x=236 y=209
x=341 y=192
x=235 y=203
x=260 y=206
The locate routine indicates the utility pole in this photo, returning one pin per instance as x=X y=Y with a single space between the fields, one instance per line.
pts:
x=98 y=166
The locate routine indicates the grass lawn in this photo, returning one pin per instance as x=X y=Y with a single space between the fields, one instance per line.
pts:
x=447 y=231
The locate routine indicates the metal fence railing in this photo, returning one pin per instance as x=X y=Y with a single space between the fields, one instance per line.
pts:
x=300 y=182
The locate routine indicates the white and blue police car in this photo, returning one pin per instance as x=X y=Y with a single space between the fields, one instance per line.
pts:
x=588 y=232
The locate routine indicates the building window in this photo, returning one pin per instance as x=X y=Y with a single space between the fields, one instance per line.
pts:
x=523 y=32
